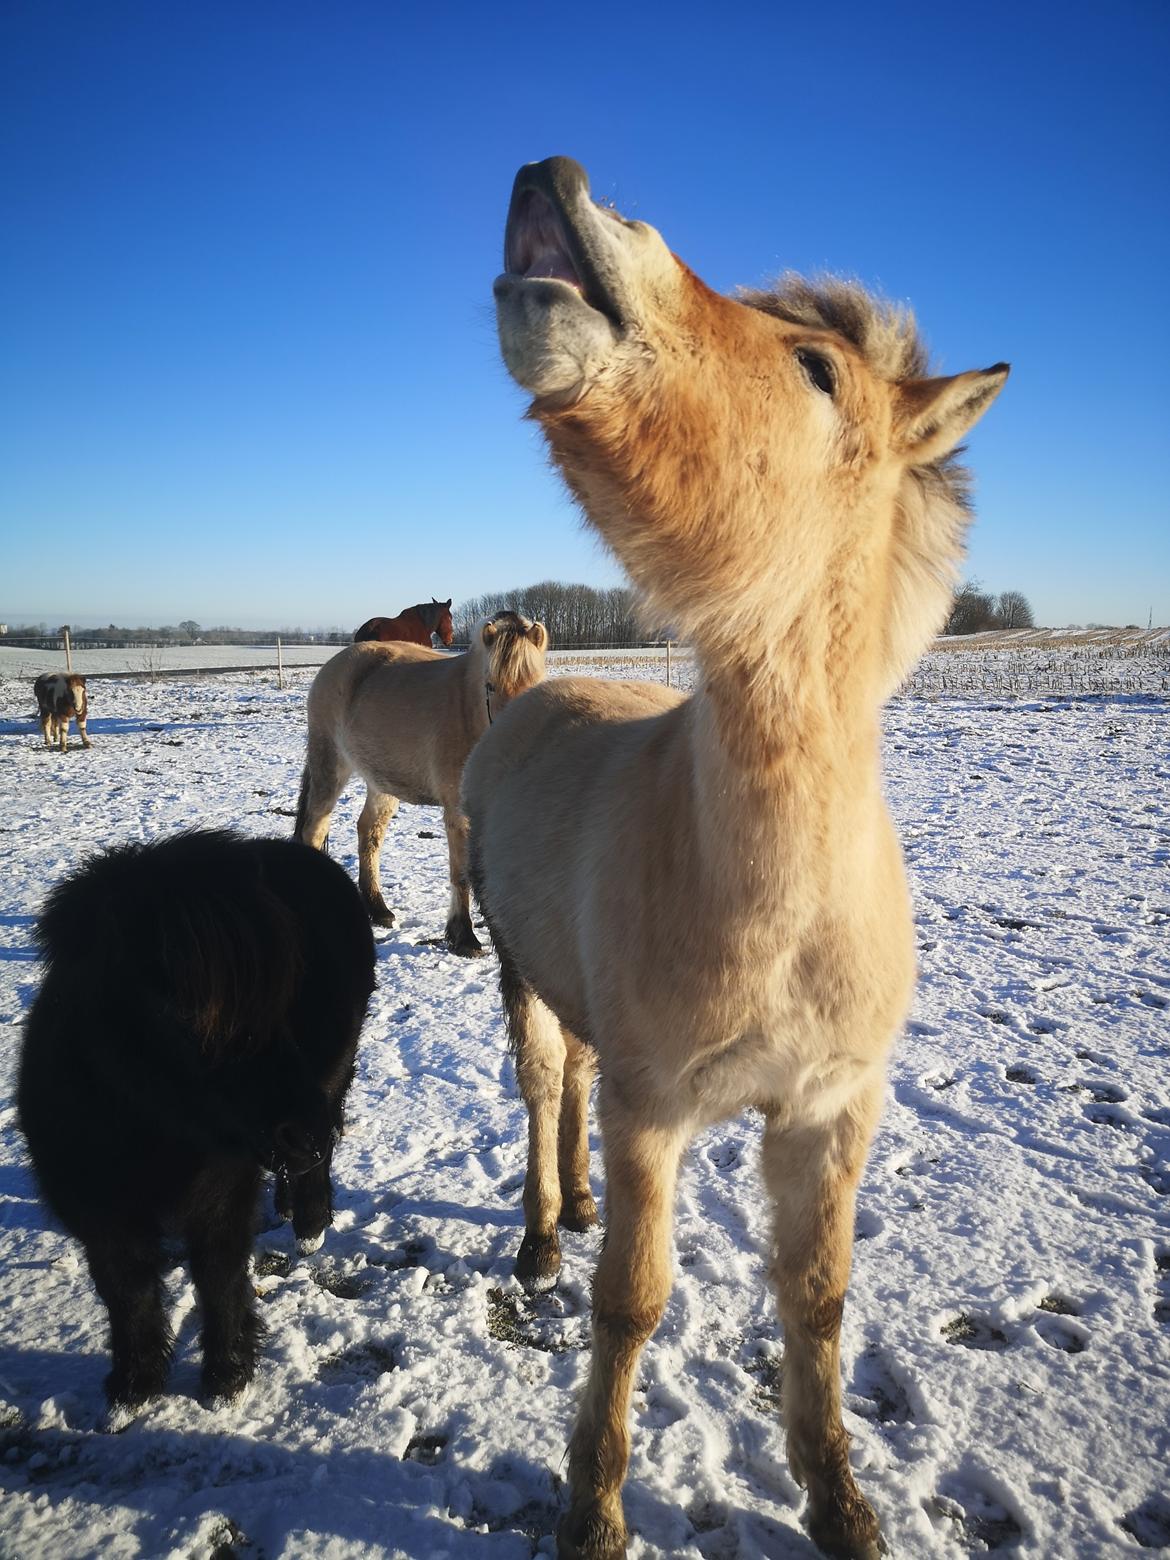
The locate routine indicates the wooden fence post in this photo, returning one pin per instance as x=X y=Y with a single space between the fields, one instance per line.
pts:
x=68 y=650
x=279 y=665
x=668 y=663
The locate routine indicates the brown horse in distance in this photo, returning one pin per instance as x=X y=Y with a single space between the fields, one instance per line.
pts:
x=414 y=624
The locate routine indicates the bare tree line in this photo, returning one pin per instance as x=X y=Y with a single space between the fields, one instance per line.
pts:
x=975 y=610
x=573 y=614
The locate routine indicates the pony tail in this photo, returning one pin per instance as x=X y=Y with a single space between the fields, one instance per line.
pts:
x=298 y=833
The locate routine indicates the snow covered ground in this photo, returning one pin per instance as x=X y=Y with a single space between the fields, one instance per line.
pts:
x=1007 y=1334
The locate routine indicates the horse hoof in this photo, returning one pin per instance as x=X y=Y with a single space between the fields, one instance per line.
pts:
x=460 y=938
x=538 y=1262
x=578 y=1213
x=590 y=1535
x=308 y=1244
x=380 y=914
x=846 y=1528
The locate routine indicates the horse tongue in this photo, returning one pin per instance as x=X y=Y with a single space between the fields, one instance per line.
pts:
x=555 y=263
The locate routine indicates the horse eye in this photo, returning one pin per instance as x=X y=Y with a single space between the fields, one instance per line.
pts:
x=819 y=370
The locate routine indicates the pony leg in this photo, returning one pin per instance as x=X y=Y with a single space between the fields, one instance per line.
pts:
x=219 y=1240
x=127 y=1274
x=539 y=1048
x=630 y=1291
x=373 y=821
x=82 y=733
x=460 y=936
x=321 y=784
x=812 y=1171
x=578 y=1210
x=46 y=724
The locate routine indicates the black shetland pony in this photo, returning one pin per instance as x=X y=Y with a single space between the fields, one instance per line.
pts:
x=198 y=1021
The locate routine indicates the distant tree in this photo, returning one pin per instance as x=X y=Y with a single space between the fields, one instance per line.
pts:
x=573 y=614
x=975 y=610
x=972 y=611
x=190 y=628
x=1014 y=610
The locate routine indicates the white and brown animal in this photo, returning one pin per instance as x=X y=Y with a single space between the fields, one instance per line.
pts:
x=707 y=895
x=404 y=718
x=60 y=699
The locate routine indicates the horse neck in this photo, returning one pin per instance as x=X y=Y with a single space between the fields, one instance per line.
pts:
x=784 y=737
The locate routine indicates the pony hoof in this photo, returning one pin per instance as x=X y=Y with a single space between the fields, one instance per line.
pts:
x=460 y=938
x=589 y=1535
x=538 y=1262
x=129 y=1391
x=308 y=1244
x=578 y=1214
x=380 y=914
x=847 y=1530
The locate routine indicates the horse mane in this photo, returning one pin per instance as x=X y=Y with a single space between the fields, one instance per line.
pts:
x=195 y=917
x=515 y=654
x=934 y=500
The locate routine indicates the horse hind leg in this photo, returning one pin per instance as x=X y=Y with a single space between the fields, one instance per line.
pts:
x=578 y=1209
x=539 y=1048
x=812 y=1170
x=322 y=783
x=373 y=821
x=459 y=932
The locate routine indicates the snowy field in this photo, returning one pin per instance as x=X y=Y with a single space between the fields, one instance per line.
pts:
x=1007 y=1335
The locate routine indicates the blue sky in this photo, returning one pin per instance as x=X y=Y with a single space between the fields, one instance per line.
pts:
x=248 y=368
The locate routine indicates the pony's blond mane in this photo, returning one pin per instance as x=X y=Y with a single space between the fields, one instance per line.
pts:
x=934 y=502
x=515 y=660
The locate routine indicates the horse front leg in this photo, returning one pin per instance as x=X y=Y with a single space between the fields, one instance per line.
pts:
x=459 y=933
x=630 y=1291
x=219 y=1242
x=578 y=1210
x=373 y=821
x=126 y=1268
x=812 y=1171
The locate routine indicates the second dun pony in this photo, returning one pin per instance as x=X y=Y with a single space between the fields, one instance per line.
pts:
x=405 y=718
x=708 y=895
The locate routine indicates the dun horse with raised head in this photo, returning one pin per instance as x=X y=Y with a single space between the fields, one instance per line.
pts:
x=405 y=718
x=707 y=895
x=414 y=625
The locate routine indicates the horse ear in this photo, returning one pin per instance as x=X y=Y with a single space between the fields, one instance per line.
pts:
x=539 y=636
x=932 y=415
x=448 y=602
x=489 y=632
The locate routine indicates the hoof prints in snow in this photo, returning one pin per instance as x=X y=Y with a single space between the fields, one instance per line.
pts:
x=533 y=1322
x=982 y=1524
x=363 y=1362
x=973 y=1333
x=1149 y=1523
x=425 y=1449
x=878 y=1394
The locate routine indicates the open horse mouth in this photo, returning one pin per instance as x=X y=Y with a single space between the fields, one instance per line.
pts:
x=554 y=234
